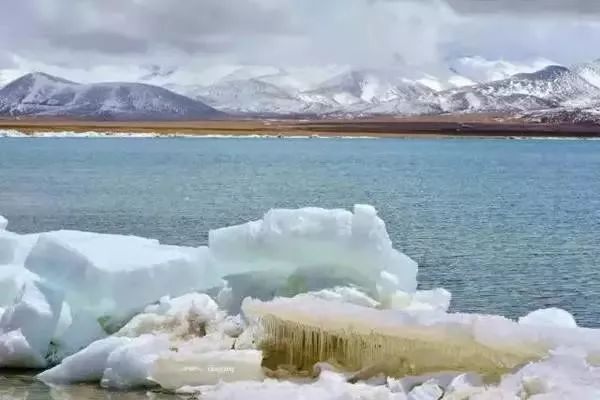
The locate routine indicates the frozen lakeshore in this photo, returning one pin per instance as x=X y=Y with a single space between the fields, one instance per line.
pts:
x=337 y=315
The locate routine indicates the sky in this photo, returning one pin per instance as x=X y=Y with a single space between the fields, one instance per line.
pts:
x=125 y=39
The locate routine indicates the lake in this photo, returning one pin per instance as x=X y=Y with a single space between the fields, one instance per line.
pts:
x=508 y=226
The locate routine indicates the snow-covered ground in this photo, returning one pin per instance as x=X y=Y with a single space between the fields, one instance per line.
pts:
x=336 y=314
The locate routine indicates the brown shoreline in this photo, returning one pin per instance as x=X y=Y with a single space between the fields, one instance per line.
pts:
x=431 y=126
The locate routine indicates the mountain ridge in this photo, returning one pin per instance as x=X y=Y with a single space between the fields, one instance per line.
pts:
x=348 y=94
x=41 y=94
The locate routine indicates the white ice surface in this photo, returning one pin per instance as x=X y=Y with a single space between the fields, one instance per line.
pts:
x=16 y=352
x=344 y=295
x=176 y=369
x=484 y=343
x=179 y=331
x=129 y=366
x=87 y=365
x=329 y=386
x=355 y=243
x=35 y=315
x=12 y=279
x=549 y=317
x=179 y=317
x=117 y=275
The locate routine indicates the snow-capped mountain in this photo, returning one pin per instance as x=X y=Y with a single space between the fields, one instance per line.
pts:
x=589 y=71
x=367 y=87
x=252 y=96
x=550 y=87
x=270 y=91
x=39 y=94
x=476 y=69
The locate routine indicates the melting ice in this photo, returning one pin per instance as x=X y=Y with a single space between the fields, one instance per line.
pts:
x=302 y=303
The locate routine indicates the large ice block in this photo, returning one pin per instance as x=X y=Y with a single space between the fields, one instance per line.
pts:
x=302 y=331
x=114 y=275
x=34 y=315
x=354 y=244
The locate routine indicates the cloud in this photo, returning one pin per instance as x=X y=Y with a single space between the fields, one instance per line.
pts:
x=563 y=8
x=105 y=42
x=111 y=34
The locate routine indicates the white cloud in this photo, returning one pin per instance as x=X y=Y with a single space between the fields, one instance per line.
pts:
x=115 y=39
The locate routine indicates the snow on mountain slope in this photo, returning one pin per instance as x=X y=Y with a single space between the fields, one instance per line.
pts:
x=372 y=92
x=589 y=71
x=478 y=69
x=550 y=87
x=250 y=96
x=40 y=94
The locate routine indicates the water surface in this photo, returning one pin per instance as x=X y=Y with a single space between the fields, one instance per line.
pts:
x=507 y=226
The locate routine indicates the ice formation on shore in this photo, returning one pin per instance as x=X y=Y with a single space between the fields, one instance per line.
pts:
x=347 y=320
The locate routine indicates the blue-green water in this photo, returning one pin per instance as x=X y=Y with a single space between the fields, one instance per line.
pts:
x=507 y=226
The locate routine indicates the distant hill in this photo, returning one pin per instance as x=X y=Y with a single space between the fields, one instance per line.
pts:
x=42 y=95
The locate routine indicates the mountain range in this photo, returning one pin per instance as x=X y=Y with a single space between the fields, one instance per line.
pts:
x=39 y=94
x=553 y=90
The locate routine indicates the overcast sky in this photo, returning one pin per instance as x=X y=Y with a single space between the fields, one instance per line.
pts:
x=124 y=35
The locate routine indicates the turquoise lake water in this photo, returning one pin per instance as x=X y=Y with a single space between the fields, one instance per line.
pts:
x=507 y=226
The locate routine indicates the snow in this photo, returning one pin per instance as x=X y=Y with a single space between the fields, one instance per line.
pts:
x=3 y=222
x=41 y=94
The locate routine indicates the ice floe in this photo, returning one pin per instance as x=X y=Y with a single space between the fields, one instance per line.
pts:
x=329 y=310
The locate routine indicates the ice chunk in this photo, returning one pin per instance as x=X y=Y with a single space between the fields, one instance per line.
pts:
x=35 y=315
x=79 y=328
x=354 y=244
x=232 y=326
x=549 y=317
x=215 y=341
x=185 y=316
x=86 y=366
x=344 y=295
x=118 y=275
x=463 y=386
x=16 y=352
x=441 y=379
x=129 y=366
x=14 y=248
x=329 y=386
x=174 y=370
x=225 y=297
x=429 y=390
x=422 y=300
x=3 y=223
x=8 y=246
x=563 y=375
x=304 y=332
x=249 y=338
x=12 y=279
